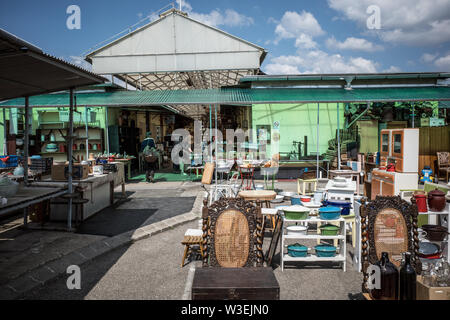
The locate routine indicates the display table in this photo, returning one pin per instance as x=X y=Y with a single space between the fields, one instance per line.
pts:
x=98 y=189
x=27 y=196
x=127 y=162
x=346 y=173
x=258 y=195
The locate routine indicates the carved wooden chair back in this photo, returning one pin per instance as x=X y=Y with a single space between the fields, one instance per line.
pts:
x=388 y=224
x=232 y=234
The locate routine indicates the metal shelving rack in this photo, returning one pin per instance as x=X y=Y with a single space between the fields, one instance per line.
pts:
x=341 y=257
x=446 y=211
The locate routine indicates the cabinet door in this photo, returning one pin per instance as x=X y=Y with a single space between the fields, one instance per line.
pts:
x=376 y=188
x=388 y=189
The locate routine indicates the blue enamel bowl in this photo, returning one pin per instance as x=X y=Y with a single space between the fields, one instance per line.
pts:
x=327 y=251
x=297 y=250
x=345 y=205
x=295 y=200
x=329 y=213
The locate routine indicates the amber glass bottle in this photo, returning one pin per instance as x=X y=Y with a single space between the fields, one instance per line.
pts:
x=389 y=280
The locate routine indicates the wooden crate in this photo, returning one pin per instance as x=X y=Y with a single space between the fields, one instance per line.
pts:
x=424 y=292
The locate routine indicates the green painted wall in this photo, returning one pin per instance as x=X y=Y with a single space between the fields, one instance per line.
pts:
x=52 y=115
x=299 y=120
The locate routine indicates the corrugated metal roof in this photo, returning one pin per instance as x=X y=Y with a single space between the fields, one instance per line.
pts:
x=26 y=70
x=356 y=76
x=238 y=96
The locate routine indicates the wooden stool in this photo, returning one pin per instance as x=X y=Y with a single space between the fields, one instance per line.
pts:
x=305 y=187
x=191 y=237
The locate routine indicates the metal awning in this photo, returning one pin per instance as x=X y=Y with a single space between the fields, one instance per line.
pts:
x=26 y=70
x=238 y=96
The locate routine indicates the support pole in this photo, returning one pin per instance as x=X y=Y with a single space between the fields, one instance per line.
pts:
x=107 y=130
x=215 y=138
x=69 y=154
x=27 y=137
x=210 y=132
x=413 y=116
x=5 y=147
x=338 y=139
x=317 y=144
x=87 y=133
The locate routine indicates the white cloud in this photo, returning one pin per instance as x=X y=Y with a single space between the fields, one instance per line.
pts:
x=352 y=43
x=428 y=57
x=277 y=68
x=305 y=41
x=443 y=63
x=293 y=25
x=318 y=61
x=411 y=22
x=392 y=69
x=215 y=18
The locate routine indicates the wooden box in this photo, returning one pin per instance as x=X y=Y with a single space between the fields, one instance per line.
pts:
x=235 y=284
x=424 y=292
x=60 y=172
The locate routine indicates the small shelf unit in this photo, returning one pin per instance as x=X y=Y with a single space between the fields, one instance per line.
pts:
x=311 y=257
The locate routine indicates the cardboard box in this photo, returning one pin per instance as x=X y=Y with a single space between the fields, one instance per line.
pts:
x=60 y=172
x=424 y=292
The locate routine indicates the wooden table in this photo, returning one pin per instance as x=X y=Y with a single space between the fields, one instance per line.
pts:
x=128 y=163
x=346 y=173
x=235 y=284
x=259 y=195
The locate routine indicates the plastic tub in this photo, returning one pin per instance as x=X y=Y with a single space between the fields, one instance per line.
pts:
x=325 y=251
x=329 y=213
x=297 y=250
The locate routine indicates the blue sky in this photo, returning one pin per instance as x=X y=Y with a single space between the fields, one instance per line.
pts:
x=323 y=36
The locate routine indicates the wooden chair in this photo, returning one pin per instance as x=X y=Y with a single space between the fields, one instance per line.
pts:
x=443 y=161
x=388 y=224
x=233 y=260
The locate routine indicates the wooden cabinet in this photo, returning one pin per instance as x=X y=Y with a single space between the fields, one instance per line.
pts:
x=390 y=183
x=405 y=150
x=376 y=188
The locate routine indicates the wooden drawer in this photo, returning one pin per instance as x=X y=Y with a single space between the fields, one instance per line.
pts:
x=383 y=176
x=235 y=284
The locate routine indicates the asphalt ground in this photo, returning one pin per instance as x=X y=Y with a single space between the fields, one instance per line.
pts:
x=150 y=270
